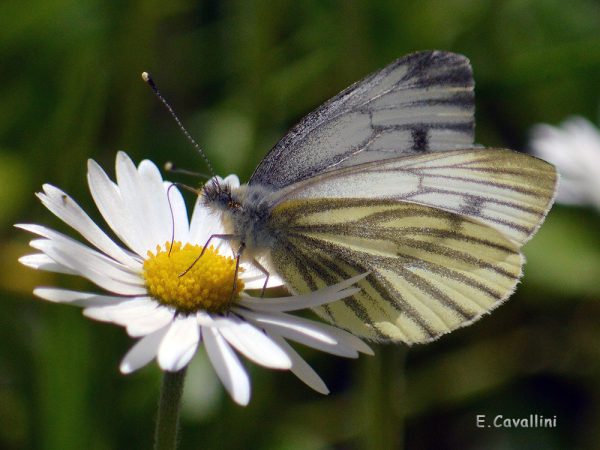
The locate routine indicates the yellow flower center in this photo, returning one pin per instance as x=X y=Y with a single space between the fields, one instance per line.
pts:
x=182 y=280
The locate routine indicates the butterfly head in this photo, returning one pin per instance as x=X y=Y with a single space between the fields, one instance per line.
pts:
x=217 y=194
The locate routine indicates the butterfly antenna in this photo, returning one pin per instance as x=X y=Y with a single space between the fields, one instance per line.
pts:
x=150 y=82
x=172 y=168
x=172 y=185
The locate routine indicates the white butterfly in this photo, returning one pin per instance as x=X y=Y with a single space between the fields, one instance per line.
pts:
x=385 y=178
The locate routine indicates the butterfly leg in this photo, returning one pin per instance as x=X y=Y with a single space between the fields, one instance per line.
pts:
x=226 y=237
x=260 y=267
x=237 y=269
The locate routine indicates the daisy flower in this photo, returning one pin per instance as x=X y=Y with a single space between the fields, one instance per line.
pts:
x=574 y=147
x=158 y=288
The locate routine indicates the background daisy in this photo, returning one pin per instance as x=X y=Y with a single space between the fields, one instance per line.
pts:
x=574 y=147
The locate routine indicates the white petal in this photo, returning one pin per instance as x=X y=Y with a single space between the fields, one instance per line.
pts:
x=84 y=299
x=179 y=344
x=143 y=351
x=254 y=278
x=313 y=334
x=41 y=261
x=204 y=319
x=310 y=300
x=143 y=200
x=231 y=180
x=124 y=312
x=148 y=323
x=345 y=338
x=227 y=366
x=134 y=201
x=107 y=266
x=66 y=209
x=155 y=204
x=107 y=197
x=253 y=343
x=301 y=369
x=178 y=217
x=204 y=224
x=308 y=327
x=90 y=268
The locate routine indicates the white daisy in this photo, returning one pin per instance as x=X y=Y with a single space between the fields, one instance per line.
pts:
x=172 y=313
x=574 y=147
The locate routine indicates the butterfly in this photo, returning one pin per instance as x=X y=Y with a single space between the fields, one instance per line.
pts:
x=384 y=179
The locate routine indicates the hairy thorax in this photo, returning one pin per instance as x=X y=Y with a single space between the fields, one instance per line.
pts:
x=244 y=212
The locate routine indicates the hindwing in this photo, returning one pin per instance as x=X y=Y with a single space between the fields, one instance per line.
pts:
x=430 y=271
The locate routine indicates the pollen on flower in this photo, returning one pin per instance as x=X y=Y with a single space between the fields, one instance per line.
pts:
x=176 y=279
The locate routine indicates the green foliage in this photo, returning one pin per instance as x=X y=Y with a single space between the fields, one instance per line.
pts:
x=239 y=74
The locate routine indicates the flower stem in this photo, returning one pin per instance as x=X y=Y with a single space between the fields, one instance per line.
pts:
x=167 y=417
x=382 y=398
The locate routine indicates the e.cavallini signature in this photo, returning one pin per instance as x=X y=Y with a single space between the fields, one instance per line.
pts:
x=501 y=421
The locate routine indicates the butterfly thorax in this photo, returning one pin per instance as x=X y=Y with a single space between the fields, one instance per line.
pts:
x=244 y=212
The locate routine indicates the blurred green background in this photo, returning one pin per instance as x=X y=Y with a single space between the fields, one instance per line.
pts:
x=240 y=73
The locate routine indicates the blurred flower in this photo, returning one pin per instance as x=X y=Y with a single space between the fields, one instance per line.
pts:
x=574 y=147
x=163 y=293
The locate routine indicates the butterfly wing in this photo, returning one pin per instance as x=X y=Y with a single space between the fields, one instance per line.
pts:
x=506 y=190
x=378 y=180
x=439 y=233
x=423 y=102
x=430 y=271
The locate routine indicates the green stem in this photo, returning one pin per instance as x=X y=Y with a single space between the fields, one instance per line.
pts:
x=382 y=399
x=167 y=417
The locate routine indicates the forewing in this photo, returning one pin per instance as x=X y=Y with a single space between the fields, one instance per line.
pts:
x=506 y=190
x=430 y=271
x=420 y=103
